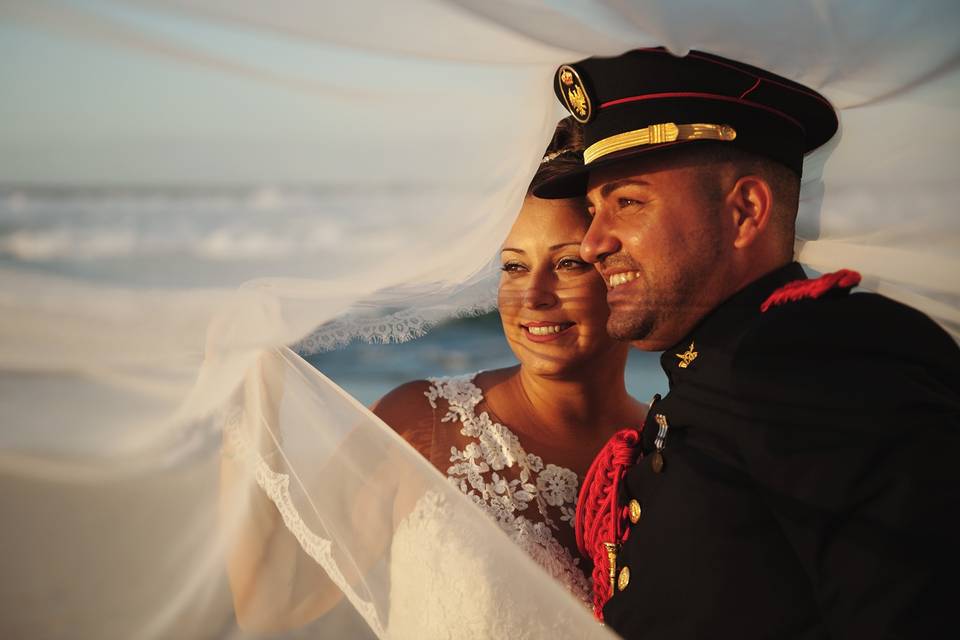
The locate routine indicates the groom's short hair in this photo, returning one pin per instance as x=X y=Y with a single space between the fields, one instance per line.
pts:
x=783 y=182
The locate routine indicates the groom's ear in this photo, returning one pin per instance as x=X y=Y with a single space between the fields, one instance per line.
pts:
x=749 y=207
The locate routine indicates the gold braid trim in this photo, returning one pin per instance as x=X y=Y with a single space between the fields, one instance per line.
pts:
x=657 y=134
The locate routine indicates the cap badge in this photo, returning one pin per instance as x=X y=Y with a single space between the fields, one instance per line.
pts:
x=687 y=357
x=574 y=94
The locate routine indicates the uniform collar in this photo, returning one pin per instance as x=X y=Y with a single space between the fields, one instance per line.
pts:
x=725 y=321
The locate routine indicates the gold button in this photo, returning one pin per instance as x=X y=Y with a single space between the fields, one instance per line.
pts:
x=623 y=579
x=634 y=507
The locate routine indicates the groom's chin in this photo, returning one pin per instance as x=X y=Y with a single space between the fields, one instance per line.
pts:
x=628 y=327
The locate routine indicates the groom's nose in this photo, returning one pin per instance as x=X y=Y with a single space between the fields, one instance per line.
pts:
x=599 y=242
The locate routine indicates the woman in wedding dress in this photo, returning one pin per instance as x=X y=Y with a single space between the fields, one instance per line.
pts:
x=516 y=441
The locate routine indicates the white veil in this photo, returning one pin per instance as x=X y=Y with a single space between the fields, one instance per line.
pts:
x=124 y=348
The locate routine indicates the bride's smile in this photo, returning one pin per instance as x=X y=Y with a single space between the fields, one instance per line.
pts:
x=545 y=331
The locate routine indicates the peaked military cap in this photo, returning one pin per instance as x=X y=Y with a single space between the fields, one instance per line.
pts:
x=649 y=99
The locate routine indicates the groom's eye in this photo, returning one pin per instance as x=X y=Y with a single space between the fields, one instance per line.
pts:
x=623 y=203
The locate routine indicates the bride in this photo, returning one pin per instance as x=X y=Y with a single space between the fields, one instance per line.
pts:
x=516 y=441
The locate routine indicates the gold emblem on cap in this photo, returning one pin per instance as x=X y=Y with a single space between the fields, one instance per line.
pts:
x=574 y=94
x=634 y=508
x=687 y=357
x=623 y=579
x=658 y=134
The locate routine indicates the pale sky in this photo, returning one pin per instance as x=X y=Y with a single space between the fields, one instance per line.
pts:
x=95 y=92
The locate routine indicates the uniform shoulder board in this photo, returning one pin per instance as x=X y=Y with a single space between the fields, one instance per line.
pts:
x=812 y=289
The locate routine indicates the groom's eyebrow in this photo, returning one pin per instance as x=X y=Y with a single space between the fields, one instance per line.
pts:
x=610 y=187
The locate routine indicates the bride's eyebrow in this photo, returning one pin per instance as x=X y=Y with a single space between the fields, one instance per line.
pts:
x=553 y=248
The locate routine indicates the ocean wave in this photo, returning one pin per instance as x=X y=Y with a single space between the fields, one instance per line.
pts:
x=53 y=244
x=217 y=225
x=219 y=244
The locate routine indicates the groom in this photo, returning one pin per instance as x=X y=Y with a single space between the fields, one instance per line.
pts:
x=797 y=480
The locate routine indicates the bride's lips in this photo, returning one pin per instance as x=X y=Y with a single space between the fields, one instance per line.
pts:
x=545 y=331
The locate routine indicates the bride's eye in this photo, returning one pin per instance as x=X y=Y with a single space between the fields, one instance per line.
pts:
x=571 y=263
x=512 y=267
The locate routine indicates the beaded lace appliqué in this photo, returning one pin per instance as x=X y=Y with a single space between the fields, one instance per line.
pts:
x=519 y=505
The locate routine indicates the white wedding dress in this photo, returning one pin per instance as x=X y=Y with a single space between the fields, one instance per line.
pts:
x=530 y=501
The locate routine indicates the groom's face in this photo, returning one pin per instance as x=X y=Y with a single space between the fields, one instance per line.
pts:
x=656 y=237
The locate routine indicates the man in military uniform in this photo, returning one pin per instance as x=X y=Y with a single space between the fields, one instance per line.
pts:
x=796 y=481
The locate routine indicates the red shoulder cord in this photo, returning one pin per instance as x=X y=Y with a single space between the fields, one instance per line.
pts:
x=801 y=289
x=598 y=519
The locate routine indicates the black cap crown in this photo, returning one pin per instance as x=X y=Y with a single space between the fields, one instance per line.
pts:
x=648 y=99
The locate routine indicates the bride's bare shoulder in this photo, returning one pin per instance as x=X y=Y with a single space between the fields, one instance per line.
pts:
x=404 y=404
x=407 y=411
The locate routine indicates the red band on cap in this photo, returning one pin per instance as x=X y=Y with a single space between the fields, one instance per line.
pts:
x=751 y=89
x=705 y=96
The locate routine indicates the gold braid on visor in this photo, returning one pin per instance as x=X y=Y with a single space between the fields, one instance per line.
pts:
x=657 y=134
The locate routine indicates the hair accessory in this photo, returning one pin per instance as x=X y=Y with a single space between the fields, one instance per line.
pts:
x=553 y=155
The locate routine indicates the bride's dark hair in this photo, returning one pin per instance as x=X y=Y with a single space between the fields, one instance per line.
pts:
x=564 y=153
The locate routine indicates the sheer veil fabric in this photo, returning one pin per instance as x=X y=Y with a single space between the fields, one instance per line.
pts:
x=122 y=393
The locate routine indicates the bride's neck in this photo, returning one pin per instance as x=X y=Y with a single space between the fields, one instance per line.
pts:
x=586 y=401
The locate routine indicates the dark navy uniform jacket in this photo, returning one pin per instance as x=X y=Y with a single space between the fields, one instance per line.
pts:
x=810 y=484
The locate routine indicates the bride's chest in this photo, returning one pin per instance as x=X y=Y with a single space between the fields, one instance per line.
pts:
x=529 y=496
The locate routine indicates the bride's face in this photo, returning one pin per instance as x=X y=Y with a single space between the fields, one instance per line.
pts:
x=553 y=304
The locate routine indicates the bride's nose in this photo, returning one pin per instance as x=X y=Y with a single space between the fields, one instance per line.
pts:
x=540 y=293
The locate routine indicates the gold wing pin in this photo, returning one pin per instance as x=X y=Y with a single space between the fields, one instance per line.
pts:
x=574 y=94
x=578 y=101
x=687 y=357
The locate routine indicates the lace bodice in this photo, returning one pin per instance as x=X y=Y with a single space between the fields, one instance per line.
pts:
x=530 y=500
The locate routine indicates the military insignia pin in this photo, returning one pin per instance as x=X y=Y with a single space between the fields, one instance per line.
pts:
x=687 y=357
x=574 y=94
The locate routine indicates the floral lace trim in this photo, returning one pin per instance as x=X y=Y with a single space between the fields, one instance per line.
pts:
x=399 y=326
x=277 y=487
x=474 y=470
